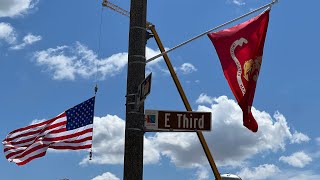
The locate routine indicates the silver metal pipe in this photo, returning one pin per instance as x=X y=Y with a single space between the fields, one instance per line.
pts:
x=213 y=29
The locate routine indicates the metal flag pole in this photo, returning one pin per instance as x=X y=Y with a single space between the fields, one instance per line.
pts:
x=213 y=29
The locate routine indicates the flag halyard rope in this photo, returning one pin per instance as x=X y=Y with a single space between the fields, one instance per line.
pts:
x=96 y=70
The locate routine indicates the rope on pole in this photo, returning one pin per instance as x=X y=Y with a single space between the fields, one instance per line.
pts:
x=213 y=29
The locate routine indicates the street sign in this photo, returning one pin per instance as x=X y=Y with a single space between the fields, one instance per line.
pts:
x=144 y=89
x=160 y=120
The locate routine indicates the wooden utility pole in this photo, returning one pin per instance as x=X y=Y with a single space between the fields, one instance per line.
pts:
x=133 y=155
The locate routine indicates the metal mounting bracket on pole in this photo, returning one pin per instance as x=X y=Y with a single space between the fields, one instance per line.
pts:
x=144 y=90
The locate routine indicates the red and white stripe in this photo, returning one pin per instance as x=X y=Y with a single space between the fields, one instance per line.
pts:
x=25 y=144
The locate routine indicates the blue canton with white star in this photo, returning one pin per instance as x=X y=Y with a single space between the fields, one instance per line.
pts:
x=80 y=115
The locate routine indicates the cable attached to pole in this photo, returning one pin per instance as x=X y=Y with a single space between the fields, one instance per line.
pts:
x=90 y=153
x=96 y=70
x=95 y=93
x=213 y=29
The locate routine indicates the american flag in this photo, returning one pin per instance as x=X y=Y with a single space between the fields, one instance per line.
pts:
x=70 y=130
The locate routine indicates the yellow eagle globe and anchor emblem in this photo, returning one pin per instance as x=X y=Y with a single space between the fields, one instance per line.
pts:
x=252 y=67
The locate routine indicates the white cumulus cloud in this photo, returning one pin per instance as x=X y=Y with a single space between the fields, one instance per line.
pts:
x=299 y=138
x=35 y=121
x=187 y=68
x=70 y=62
x=7 y=33
x=202 y=173
x=27 y=40
x=230 y=142
x=204 y=99
x=11 y=8
x=106 y=176
x=151 y=53
x=155 y=65
x=238 y=2
x=108 y=143
x=298 y=159
x=258 y=173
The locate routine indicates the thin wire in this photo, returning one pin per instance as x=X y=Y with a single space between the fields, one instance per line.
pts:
x=96 y=75
x=99 y=45
x=213 y=29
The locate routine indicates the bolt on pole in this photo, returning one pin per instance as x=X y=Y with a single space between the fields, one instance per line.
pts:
x=134 y=133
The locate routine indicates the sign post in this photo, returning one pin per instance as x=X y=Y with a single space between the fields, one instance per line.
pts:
x=143 y=90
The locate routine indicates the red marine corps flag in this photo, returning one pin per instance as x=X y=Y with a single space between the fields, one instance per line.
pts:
x=240 y=50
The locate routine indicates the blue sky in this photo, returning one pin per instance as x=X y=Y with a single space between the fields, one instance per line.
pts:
x=48 y=56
